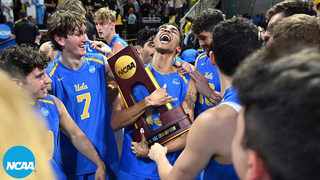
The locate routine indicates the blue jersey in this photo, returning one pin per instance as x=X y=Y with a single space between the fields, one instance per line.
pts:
x=211 y=74
x=49 y=110
x=215 y=170
x=177 y=87
x=190 y=55
x=117 y=38
x=84 y=94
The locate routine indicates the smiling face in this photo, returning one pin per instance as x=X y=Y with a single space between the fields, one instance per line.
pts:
x=205 y=40
x=167 y=39
x=36 y=83
x=76 y=42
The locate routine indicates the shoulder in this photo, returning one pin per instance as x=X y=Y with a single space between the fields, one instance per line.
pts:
x=46 y=47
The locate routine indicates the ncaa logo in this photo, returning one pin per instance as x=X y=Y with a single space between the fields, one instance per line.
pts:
x=44 y=111
x=18 y=162
x=176 y=81
x=92 y=69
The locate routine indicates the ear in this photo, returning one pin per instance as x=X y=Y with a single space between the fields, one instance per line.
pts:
x=59 y=40
x=212 y=58
x=17 y=82
x=255 y=167
x=139 y=49
x=178 y=49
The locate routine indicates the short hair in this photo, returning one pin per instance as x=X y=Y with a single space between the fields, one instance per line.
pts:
x=188 y=18
x=291 y=7
x=297 y=27
x=206 y=21
x=71 y=5
x=22 y=13
x=175 y=25
x=63 y=23
x=105 y=14
x=233 y=40
x=20 y=61
x=130 y=11
x=279 y=88
x=145 y=34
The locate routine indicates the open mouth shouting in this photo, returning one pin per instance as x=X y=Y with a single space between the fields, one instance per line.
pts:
x=165 y=39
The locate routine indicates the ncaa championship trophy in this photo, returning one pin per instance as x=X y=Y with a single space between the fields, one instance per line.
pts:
x=129 y=71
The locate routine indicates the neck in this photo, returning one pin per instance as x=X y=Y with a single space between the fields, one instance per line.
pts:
x=225 y=82
x=71 y=61
x=110 y=37
x=162 y=63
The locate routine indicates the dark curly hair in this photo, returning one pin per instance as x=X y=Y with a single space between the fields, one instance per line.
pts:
x=233 y=40
x=63 y=23
x=291 y=7
x=206 y=21
x=144 y=34
x=19 y=61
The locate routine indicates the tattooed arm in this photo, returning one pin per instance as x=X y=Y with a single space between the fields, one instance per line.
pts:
x=123 y=117
x=188 y=106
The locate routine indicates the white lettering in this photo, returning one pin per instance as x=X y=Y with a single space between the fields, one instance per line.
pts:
x=20 y=165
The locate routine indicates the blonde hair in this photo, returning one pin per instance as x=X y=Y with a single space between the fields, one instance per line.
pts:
x=20 y=127
x=105 y=14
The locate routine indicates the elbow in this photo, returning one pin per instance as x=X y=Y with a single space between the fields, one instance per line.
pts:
x=114 y=126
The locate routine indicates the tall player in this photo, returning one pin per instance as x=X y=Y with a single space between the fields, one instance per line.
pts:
x=79 y=81
x=27 y=68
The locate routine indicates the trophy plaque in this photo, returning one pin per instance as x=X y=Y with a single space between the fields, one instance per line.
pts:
x=129 y=71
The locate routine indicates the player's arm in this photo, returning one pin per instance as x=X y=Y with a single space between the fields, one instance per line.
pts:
x=118 y=46
x=210 y=136
x=188 y=106
x=122 y=117
x=79 y=139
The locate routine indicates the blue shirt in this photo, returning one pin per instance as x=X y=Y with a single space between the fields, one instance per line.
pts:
x=190 y=55
x=117 y=38
x=215 y=170
x=84 y=94
x=211 y=73
x=49 y=110
x=177 y=87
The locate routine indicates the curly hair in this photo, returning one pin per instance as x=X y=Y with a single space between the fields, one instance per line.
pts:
x=72 y=5
x=288 y=8
x=206 y=21
x=233 y=40
x=20 y=61
x=63 y=23
x=105 y=14
x=144 y=34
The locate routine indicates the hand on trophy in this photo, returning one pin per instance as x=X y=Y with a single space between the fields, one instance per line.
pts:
x=160 y=97
x=157 y=150
x=140 y=149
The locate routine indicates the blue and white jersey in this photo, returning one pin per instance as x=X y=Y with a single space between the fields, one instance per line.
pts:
x=211 y=73
x=177 y=86
x=49 y=110
x=215 y=170
x=84 y=94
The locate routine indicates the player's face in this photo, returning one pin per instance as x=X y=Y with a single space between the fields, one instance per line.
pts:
x=167 y=39
x=76 y=43
x=148 y=50
x=239 y=154
x=205 y=40
x=104 y=28
x=36 y=83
